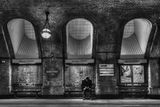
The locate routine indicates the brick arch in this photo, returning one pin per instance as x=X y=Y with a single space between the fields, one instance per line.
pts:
x=79 y=33
x=136 y=30
x=11 y=43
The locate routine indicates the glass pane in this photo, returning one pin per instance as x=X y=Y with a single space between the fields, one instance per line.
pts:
x=126 y=74
x=138 y=74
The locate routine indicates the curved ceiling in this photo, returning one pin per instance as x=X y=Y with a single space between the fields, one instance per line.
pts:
x=135 y=37
x=128 y=29
x=79 y=38
x=23 y=38
x=79 y=28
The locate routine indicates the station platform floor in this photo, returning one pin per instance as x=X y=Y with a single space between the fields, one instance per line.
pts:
x=79 y=103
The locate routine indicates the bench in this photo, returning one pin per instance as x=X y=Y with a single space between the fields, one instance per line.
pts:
x=74 y=92
x=26 y=88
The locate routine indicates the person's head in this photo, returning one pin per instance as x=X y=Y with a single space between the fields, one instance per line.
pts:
x=87 y=78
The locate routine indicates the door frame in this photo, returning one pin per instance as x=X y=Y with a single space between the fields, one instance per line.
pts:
x=145 y=72
x=91 y=65
x=129 y=87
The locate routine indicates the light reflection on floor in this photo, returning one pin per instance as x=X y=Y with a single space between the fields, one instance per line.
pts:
x=79 y=103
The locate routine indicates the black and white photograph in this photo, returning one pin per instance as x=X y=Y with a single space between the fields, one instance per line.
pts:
x=79 y=53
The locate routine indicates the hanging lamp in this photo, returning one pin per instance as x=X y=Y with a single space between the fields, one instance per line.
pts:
x=46 y=32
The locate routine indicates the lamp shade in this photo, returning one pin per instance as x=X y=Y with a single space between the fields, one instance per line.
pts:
x=46 y=33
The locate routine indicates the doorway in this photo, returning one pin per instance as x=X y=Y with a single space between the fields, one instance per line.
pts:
x=26 y=79
x=74 y=74
x=133 y=80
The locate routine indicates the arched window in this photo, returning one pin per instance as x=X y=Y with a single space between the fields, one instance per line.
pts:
x=79 y=38
x=23 y=38
x=135 y=38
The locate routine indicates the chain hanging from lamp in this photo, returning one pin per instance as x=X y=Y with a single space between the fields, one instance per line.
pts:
x=46 y=32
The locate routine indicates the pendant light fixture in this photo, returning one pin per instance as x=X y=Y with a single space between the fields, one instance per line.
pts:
x=46 y=32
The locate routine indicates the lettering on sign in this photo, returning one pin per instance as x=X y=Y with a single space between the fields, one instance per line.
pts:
x=106 y=69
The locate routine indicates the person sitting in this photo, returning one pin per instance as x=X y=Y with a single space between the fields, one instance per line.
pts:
x=87 y=88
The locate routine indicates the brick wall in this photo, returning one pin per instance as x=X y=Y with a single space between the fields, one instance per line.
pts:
x=4 y=76
x=52 y=77
x=154 y=78
x=108 y=17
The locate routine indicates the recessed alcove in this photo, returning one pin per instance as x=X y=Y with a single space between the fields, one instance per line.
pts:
x=79 y=34
x=23 y=39
x=135 y=38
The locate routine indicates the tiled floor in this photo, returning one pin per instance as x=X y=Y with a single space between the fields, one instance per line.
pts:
x=79 y=103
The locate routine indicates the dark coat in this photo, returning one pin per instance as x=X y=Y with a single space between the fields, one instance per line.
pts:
x=86 y=83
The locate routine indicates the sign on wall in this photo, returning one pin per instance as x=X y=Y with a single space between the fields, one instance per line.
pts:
x=106 y=69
